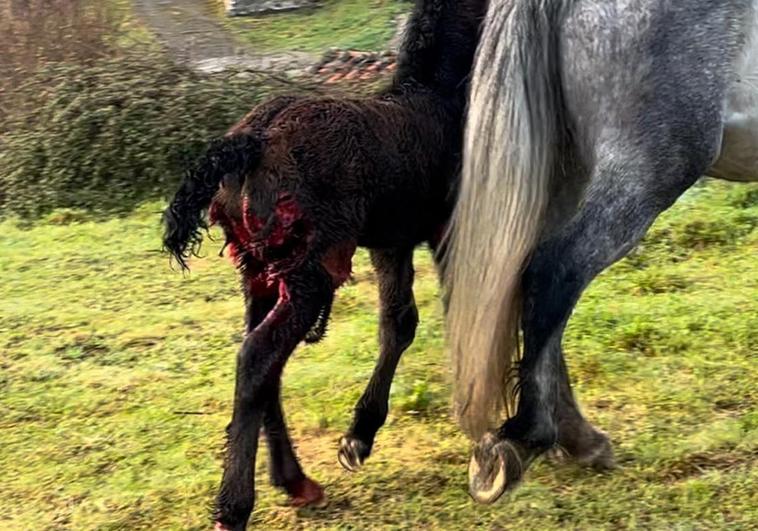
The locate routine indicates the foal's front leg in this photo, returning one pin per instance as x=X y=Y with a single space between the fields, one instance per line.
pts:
x=259 y=367
x=397 y=328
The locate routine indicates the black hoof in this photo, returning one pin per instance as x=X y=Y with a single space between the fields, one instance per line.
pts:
x=353 y=452
x=495 y=467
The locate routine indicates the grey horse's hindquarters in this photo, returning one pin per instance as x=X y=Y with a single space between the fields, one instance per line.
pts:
x=683 y=65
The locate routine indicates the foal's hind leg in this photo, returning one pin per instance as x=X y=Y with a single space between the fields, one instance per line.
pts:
x=623 y=199
x=284 y=469
x=397 y=328
x=259 y=367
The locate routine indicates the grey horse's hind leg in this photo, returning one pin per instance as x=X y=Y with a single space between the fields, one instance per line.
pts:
x=397 y=328
x=623 y=199
x=577 y=438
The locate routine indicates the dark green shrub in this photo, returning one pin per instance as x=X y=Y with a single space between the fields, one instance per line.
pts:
x=120 y=131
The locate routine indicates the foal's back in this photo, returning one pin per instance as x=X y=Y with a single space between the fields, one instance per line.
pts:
x=383 y=166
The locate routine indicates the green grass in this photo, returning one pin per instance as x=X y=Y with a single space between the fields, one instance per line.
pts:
x=117 y=376
x=353 y=24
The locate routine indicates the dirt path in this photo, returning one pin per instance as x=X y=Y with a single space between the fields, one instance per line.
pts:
x=194 y=35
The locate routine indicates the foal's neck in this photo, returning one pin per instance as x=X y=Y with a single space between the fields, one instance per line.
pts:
x=439 y=45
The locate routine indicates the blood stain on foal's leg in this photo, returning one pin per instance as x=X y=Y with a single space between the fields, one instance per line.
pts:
x=306 y=493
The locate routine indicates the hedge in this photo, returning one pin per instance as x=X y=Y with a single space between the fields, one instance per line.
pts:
x=107 y=136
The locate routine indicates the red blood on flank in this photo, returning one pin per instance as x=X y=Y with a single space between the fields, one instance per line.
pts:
x=252 y=223
x=245 y=242
x=284 y=294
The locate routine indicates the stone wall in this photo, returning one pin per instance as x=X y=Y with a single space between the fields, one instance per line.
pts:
x=254 y=7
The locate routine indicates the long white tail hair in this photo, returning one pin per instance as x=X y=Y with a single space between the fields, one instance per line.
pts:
x=509 y=157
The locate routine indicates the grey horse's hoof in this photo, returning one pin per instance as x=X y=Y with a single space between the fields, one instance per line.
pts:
x=495 y=467
x=352 y=453
x=593 y=450
x=598 y=454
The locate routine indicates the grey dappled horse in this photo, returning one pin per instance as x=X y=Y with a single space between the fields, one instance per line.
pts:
x=587 y=119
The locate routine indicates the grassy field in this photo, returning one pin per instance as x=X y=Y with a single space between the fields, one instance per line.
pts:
x=353 y=24
x=116 y=383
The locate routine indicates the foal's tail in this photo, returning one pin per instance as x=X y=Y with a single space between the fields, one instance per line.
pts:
x=509 y=154
x=184 y=219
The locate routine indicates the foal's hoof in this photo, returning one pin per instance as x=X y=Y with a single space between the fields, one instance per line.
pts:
x=223 y=527
x=495 y=467
x=352 y=454
x=306 y=493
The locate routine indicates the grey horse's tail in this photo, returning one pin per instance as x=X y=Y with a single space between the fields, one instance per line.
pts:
x=509 y=156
